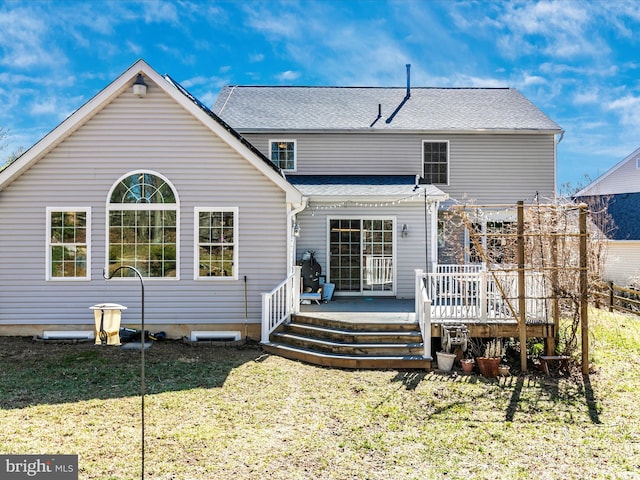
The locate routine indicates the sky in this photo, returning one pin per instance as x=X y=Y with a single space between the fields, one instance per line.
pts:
x=575 y=59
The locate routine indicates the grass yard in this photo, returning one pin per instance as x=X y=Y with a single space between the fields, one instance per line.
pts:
x=228 y=413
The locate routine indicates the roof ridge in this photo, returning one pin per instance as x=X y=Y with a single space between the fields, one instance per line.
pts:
x=234 y=86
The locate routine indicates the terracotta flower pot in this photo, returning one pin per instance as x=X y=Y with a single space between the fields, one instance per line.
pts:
x=488 y=366
x=467 y=365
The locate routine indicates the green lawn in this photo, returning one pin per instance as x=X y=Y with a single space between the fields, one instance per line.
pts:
x=226 y=413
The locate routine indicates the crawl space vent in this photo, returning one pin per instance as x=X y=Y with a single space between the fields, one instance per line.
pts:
x=214 y=336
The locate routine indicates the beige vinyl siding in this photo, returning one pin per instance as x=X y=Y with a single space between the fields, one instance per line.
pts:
x=409 y=252
x=486 y=168
x=622 y=262
x=153 y=133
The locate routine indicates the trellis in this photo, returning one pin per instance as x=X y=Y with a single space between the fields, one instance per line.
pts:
x=548 y=240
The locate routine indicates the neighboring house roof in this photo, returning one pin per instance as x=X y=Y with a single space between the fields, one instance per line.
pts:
x=622 y=211
x=263 y=108
x=605 y=184
x=181 y=96
x=354 y=186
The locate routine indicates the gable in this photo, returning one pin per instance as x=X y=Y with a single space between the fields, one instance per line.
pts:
x=624 y=177
x=133 y=107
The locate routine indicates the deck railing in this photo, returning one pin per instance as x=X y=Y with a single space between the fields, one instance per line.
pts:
x=280 y=303
x=485 y=296
x=423 y=311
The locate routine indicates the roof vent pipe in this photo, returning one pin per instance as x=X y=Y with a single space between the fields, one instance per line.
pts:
x=408 y=80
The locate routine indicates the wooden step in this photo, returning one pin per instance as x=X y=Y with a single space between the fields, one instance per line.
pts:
x=348 y=361
x=353 y=336
x=370 y=323
x=347 y=347
x=370 y=341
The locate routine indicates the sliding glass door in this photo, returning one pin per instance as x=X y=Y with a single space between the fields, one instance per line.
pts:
x=361 y=255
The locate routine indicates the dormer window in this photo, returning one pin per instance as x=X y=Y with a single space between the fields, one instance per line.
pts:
x=283 y=154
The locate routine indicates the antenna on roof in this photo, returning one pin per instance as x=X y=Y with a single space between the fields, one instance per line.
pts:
x=408 y=81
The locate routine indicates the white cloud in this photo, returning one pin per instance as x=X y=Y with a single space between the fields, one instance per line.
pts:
x=158 y=11
x=588 y=96
x=23 y=42
x=628 y=109
x=288 y=76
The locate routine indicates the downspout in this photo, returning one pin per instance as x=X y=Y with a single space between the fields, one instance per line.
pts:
x=555 y=164
x=435 y=208
x=291 y=251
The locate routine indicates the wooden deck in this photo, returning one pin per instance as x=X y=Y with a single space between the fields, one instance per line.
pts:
x=390 y=310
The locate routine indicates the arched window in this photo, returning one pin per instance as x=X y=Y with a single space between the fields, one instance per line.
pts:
x=143 y=224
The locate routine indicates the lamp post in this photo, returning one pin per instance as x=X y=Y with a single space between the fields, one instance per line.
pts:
x=142 y=345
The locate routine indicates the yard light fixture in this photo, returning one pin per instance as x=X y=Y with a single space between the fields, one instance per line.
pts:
x=142 y=347
x=139 y=87
x=405 y=230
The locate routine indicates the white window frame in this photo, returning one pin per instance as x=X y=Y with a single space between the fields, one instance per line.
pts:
x=295 y=153
x=49 y=244
x=448 y=159
x=196 y=249
x=143 y=206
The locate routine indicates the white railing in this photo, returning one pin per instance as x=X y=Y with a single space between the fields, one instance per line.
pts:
x=280 y=303
x=423 y=312
x=484 y=296
x=467 y=268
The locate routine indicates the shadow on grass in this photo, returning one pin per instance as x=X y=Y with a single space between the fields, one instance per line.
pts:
x=570 y=396
x=566 y=396
x=33 y=373
x=590 y=397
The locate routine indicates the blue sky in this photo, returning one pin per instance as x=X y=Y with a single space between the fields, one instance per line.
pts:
x=576 y=60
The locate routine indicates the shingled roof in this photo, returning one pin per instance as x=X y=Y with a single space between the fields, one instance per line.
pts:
x=362 y=186
x=264 y=108
x=622 y=214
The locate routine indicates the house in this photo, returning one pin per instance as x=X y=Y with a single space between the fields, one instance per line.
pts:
x=615 y=201
x=215 y=207
x=145 y=177
x=380 y=167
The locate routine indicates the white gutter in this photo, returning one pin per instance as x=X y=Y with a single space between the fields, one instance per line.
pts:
x=291 y=244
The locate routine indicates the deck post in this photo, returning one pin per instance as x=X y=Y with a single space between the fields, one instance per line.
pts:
x=522 y=304
x=551 y=342
x=266 y=316
x=584 y=289
x=423 y=311
x=484 y=298
x=296 y=288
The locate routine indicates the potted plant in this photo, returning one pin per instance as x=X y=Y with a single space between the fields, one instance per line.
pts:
x=488 y=363
x=467 y=364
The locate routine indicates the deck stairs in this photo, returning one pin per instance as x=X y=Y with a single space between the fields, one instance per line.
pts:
x=360 y=342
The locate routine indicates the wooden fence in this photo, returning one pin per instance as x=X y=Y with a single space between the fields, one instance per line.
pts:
x=615 y=298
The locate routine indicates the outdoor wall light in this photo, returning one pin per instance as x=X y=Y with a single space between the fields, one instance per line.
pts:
x=139 y=87
x=296 y=230
x=405 y=230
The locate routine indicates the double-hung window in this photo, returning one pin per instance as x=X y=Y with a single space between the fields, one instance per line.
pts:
x=494 y=239
x=68 y=234
x=283 y=154
x=143 y=226
x=435 y=162
x=217 y=243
